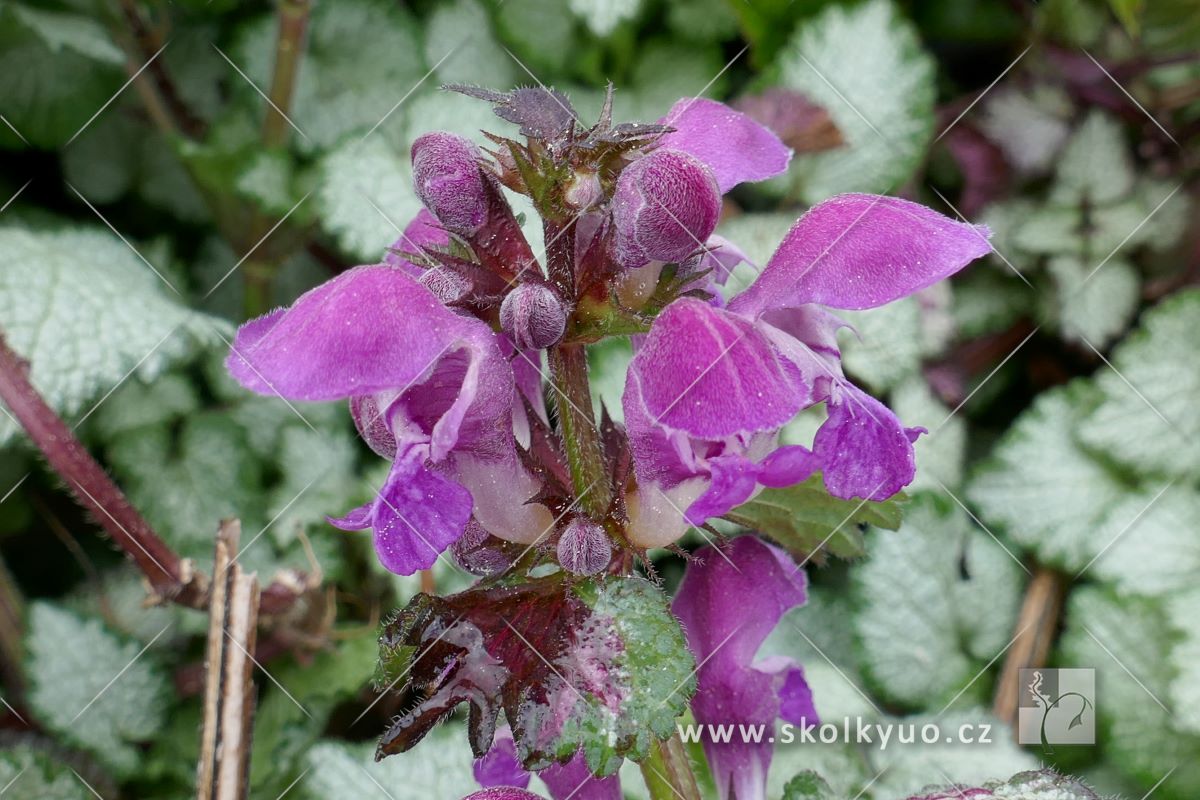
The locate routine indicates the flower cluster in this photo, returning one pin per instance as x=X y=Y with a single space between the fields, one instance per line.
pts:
x=448 y=349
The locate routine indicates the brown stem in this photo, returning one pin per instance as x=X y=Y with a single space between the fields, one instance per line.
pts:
x=171 y=577
x=289 y=49
x=1037 y=625
x=12 y=651
x=156 y=87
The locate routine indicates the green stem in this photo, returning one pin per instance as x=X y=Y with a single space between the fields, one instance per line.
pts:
x=258 y=278
x=581 y=438
x=668 y=772
x=289 y=49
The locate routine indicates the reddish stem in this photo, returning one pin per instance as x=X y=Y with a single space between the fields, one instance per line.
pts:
x=169 y=575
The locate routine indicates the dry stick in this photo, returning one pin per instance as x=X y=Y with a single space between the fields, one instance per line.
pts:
x=229 y=693
x=1036 y=625
x=171 y=577
x=12 y=650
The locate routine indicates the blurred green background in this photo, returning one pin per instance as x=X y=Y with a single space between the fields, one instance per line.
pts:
x=150 y=203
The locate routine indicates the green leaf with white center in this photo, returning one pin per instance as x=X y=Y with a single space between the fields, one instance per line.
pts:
x=886 y=345
x=602 y=17
x=1095 y=166
x=940 y=453
x=1129 y=641
x=910 y=768
x=1148 y=402
x=1183 y=608
x=318 y=479
x=1094 y=306
x=366 y=196
x=811 y=523
x=59 y=68
x=652 y=671
x=1030 y=126
x=987 y=299
x=86 y=323
x=922 y=592
x=141 y=404
x=866 y=67
x=92 y=688
x=29 y=773
x=338 y=92
x=1150 y=542
x=1042 y=487
x=441 y=769
x=184 y=487
x=459 y=45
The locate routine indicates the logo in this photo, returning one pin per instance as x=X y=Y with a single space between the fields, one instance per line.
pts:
x=1057 y=706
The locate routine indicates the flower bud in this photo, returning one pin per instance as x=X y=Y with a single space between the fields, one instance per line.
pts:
x=584 y=191
x=447 y=178
x=665 y=206
x=446 y=284
x=480 y=553
x=583 y=547
x=533 y=316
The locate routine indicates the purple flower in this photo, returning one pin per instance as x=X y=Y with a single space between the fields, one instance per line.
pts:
x=710 y=387
x=733 y=146
x=449 y=181
x=569 y=781
x=428 y=388
x=502 y=793
x=729 y=603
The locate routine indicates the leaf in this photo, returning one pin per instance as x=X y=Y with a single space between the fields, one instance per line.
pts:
x=85 y=324
x=1044 y=784
x=60 y=67
x=442 y=769
x=940 y=455
x=604 y=16
x=285 y=727
x=806 y=520
x=866 y=67
x=141 y=404
x=184 y=487
x=30 y=773
x=599 y=665
x=758 y=235
x=366 y=196
x=93 y=689
x=1030 y=126
x=1095 y=166
x=1095 y=307
x=541 y=32
x=1129 y=12
x=459 y=43
x=324 y=107
x=808 y=785
x=1128 y=641
x=1184 y=691
x=1150 y=542
x=318 y=479
x=1162 y=365
x=1042 y=487
x=936 y=600
x=910 y=768
x=702 y=20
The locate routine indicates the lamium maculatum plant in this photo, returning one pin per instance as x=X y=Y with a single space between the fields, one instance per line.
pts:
x=462 y=354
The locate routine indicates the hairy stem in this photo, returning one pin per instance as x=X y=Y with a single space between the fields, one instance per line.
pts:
x=170 y=576
x=289 y=49
x=572 y=390
x=668 y=772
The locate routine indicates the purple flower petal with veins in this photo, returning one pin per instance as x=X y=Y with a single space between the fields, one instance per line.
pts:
x=861 y=251
x=862 y=448
x=734 y=146
x=665 y=206
x=729 y=603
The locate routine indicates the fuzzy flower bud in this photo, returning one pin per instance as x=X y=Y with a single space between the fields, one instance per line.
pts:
x=584 y=191
x=664 y=208
x=583 y=547
x=448 y=180
x=448 y=285
x=533 y=316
